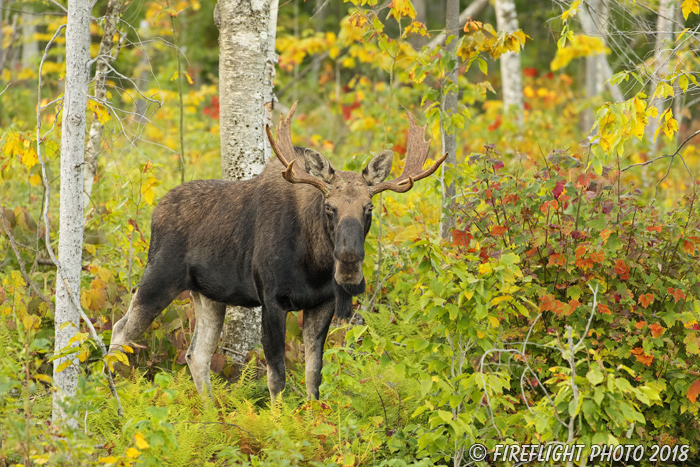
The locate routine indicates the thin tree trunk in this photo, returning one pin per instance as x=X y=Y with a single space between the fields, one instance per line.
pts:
x=101 y=71
x=511 y=74
x=30 y=46
x=476 y=7
x=449 y=140
x=662 y=54
x=594 y=17
x=246 y=72
x=70 y=237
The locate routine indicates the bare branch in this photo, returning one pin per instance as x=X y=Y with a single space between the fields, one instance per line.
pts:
x=22 y=267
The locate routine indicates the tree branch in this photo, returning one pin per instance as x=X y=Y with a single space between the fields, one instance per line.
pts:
x=22 y=267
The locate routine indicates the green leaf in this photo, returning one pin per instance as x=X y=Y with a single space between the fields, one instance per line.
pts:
x=595 y=376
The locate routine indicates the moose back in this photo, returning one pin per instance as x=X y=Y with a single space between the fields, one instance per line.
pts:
x=289 y=239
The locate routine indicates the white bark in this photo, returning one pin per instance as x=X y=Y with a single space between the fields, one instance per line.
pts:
x=102 y=68
x=70 y=240
x=511 y=73
x=594 y=17
x=30 y=46
x=449 y=103
x=662 y=54
x=246 y=72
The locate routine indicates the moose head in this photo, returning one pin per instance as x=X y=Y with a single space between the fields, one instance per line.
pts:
x=346 y=211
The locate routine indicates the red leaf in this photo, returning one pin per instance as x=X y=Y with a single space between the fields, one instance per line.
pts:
x=646 y=299
x=498 y=230
x=530 y=72
x=621 y=269
x=689 y=247
x=677 y=294
x=656 y=329
x=604 y=310
x=461 y=238
x=547 y=302
x=558 y=189
x=643 y=358
x=693 y=391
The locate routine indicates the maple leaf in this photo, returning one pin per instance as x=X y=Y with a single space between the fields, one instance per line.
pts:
x=646 y=299
x=598 y=257
x=656 y=329
x=693 y=391
x=461 y=238
x=640 y=324
x=621 y=269
x=558 y=189
x=547 y=302
x=604 y=235
x=689 y=247
x=604 y=310
x=653 y=228
x=498 y=230
x=643 y=358
x=677 y=294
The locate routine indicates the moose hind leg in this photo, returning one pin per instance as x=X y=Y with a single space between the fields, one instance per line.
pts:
x=316 y=323
x=210 y=320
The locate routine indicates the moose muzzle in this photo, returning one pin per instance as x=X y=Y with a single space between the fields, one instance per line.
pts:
x=349 y=253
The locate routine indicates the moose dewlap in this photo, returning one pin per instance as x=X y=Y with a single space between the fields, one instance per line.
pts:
x=289 y=239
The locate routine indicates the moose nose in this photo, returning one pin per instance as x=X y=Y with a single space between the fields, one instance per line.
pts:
x=349 y=241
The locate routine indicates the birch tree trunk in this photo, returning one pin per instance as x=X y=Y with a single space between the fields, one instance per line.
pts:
x=511 y=74
x=70 y=236
x=95 y=138
x=246 y=72
x=449 y=103
x=30 y=46
x=662 y=54
x=594 y=17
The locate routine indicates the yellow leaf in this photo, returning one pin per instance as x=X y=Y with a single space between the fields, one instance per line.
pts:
x=13 y=145
x=670 y=127
x=189 y=78
x=148 y=195
x=108 y=460
x=127 y=348
x=35 y=180
x=78 y=337
x=690 y=6
x=29 y=157
x=44 y=378
x=498 y=300
x=494 y=322
x=63 y=366
x=41 y=459
x=683 y=82
x=480 y=334
x=83 y=355
x=174 y=76
x=133 y=453
x=141 y=442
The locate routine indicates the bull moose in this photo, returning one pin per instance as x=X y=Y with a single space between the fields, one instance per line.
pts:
x=286 y=243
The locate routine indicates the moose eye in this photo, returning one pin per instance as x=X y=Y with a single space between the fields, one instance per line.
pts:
x=329 y=209
x=369 y=208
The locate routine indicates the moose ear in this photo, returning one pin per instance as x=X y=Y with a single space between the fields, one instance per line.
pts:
x=317 y=165
x=379 y=167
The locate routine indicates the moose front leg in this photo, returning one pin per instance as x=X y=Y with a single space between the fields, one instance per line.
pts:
x=207 y=331
x=274 y=324
x=316 y=323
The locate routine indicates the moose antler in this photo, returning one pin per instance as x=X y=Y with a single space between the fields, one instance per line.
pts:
x=284 y=149
x=416 y=154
